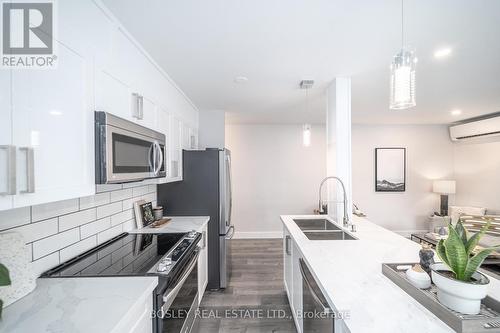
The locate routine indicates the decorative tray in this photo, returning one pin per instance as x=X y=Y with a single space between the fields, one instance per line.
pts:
x=488 y=320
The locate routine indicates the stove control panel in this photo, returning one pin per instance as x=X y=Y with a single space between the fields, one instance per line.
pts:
x=168 y=261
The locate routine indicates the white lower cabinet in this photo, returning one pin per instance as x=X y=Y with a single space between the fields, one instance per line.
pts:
x=293 y=277
x=140 y=321
x=203 y=264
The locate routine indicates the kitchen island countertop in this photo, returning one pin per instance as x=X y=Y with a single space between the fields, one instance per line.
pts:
x=349 y=273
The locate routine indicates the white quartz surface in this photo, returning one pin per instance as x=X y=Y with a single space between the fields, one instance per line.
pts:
x=177 y=224
x=77 y=304
x=349 y=272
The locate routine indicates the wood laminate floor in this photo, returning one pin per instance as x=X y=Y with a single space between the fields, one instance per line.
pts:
x=255 y=300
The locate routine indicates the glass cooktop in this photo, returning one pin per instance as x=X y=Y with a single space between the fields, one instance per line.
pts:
x=126 y=254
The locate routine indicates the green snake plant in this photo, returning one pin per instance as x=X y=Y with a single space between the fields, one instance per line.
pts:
x=4 y=281
x=456 y=251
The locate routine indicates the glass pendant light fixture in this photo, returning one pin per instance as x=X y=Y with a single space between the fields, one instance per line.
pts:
x=306 y=135
x=306 y=128
x=403 y=75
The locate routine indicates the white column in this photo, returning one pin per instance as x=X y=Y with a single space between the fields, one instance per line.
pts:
x=338 y=129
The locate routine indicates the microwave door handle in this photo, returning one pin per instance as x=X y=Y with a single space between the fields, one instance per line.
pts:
x=160 y=158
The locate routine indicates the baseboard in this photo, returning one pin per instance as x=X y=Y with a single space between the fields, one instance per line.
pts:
x=257 y=234
x=407 y=233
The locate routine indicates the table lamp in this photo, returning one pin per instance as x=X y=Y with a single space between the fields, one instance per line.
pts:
x=444 y=187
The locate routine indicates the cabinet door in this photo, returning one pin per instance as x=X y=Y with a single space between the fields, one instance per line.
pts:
x=203 y=265
x=149 y=114
x=297 y=285
x=112 y=95
x=175 y=149
x=193 y=138
x=53 y=130
x=7 y=159
x=287 y=264
x=186 y=136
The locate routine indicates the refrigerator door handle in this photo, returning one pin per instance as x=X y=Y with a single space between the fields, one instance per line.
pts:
x=230 y=185
x=230 y=234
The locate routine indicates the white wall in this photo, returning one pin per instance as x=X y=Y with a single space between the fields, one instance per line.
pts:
x=477 y=172
x=429 y=156
x=211 y=130
x=273 y=174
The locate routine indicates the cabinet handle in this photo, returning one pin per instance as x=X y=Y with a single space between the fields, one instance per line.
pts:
x=141 y=106
x=287 y=245
x=30 y=169
x=204 y=236
x=11 y=169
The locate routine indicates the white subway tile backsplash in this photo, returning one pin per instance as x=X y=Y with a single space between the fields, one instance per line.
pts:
x=122 y=217
x=107 y=187
x=129 y=225
x=38 y=230
x=76 y=219
x=53 y=209
x=137 y=191
x=55 y=243
x=14 y=217
x=110 y=233
x=58 y=231
x=121 y=195
x=94 y=200
x=77 y=248
x=95 y=227
x=108 y=210
x=44 y=264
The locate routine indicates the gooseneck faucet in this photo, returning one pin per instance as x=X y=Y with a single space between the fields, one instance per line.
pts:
x=346 y=215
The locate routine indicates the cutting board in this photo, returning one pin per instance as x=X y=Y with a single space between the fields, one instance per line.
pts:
x=16 y=256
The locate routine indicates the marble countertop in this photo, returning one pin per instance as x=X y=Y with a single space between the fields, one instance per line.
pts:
x=350 y=275
x=177 y=224
x=77 y=304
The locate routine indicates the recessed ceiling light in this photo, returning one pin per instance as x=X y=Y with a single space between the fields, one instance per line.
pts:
x=442 y=53
x=55 y=113
x=456 y=112
x=240 y=79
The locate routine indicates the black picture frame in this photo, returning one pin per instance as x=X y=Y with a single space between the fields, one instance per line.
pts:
x=397 y=174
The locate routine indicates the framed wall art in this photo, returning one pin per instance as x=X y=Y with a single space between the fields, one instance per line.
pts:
x=390 y=169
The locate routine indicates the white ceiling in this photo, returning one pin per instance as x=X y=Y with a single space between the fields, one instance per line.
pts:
x=203 y=45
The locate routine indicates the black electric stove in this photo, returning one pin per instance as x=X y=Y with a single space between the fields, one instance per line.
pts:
x=171 y=257
x=124 y=255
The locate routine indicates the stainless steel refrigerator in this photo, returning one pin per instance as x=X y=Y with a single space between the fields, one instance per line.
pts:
x=206 y=189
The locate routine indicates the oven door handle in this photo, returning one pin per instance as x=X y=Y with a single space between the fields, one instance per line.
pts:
x=169 y=298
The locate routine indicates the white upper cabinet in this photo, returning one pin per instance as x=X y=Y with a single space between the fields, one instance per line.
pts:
x=7 y=151
x=52 y=126
x=175 y=145
x=189 y=137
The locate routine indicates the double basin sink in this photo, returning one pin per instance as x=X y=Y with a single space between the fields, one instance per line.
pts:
x=322 y=229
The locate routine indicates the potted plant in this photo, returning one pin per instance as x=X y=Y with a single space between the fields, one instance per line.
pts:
x=460 y=286
x=4 y=281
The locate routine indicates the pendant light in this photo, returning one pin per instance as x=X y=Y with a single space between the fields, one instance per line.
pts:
x=306 y=128
x=403 y=75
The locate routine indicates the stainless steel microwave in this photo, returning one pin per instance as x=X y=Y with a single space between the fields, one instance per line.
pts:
x=127 y=152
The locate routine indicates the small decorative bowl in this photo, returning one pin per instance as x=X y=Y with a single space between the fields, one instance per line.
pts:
x=418 y=277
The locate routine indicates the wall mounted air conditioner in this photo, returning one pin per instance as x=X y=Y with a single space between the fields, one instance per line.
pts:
x=476 y=129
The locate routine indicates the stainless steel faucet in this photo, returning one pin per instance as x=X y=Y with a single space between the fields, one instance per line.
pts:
x=346 y=215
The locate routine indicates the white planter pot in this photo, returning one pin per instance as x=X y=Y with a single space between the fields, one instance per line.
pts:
x=463 y=297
